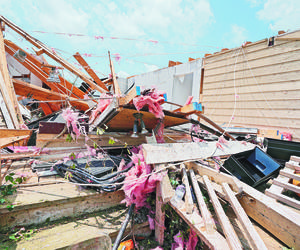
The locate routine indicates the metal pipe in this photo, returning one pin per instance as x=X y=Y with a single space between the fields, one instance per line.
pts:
x=124 y=225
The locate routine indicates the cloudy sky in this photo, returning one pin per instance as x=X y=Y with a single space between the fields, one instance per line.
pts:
x=144 y=35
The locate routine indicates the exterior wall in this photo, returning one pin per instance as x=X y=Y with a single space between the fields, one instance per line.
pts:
x=179 y=82
x=258 y=85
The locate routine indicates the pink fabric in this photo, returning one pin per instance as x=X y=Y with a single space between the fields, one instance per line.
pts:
x=189 y=100
x=179 y=242
x=193 y=240
x=23 y=126
x=137 y=186
x=101 y=106
x=71 y=118
x=153 y=100
x=151 y=222
x=25 y=149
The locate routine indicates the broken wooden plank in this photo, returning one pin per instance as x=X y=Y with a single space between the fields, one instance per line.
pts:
x=202 y=116
x=295 y=158
x=189 y=204
x=189 y=109
x=114 y=78
x=287 y=186
x=255 y=240
x=159 y=215
x=25 y=89
x=213 y=240
x=167 y=192
x=52 y=54
x=228 y=230
x=4 y=142
x=89 y=70
x=129 y=97
x=290 y=174
x=279 y=220
x=7 y=88
x=163 y=153
x=6 y=116
x=206 y=215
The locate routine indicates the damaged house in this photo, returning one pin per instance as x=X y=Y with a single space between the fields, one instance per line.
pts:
x=207 y=159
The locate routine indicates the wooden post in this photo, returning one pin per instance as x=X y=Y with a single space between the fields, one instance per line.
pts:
x=228 y=230
x=255 y=240
x=206 y=215
x=114 y=78
x=159 y=215
x=189 y=204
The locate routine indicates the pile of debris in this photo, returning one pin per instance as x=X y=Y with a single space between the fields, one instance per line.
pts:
x=124 y=143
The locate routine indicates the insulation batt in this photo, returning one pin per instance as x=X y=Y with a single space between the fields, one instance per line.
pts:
x=138 y=185
x=153 y=100
x=101 y=106
x=71 y=118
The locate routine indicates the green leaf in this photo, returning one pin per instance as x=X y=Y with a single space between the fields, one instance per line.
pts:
x=10 y=207
x=69 y=138
x=19 y=180
x=111 y=141
x=12 y=237
x=2 y=201
x=139 y=162
x=95 y=145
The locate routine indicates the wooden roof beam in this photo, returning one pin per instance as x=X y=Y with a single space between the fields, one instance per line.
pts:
x=89 y=70
x=52 y=54
x=25 y=89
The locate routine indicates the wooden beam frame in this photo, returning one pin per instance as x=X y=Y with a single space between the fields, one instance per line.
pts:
x=25 y=89
x=114 y=78
x=89 y=70
x=52 y=54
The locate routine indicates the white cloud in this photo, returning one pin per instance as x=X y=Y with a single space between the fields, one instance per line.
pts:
x=235 y=37
x=150 y=67
x=255 y=3
x=282 y=15
x=171 y=19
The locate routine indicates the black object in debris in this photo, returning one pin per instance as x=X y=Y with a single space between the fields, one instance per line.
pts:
x=253 y=167
x=90 y=170
x=280 y=149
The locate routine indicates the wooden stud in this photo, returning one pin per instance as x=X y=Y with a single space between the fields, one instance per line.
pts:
x=189 y=204
x=287 y=186
x=52 y=54
x=89 y=70
x=228 y=230
x=159 y=216
x=25 y=89
x=114 y=78
x=213 y=241
x=206 y=215
x=255 y=240
x=289 y=174
x=167 y=192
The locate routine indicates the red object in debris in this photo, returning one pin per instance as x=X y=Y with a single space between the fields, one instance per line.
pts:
x=128 y=244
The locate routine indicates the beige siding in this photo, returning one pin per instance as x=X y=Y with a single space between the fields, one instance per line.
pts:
x=258 y=85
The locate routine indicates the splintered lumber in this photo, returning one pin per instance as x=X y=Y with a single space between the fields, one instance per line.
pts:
x=206 y=215
x=53 y=55
x=228 y=230
x=40 y=71
x=213 y=240
x=189 y=204
x=5 y=113
x=167 y=192
x=4 y=142
x=128 y=98
x=202 y=116
x=190 y=109
x=114 y=78
x=162 y=153
x=89 y=70
x=216 y=176
x=25 y=89
x=159 y=214
x=281 y=183
x=7 y=88
x=255 y=240
x=279 y=220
